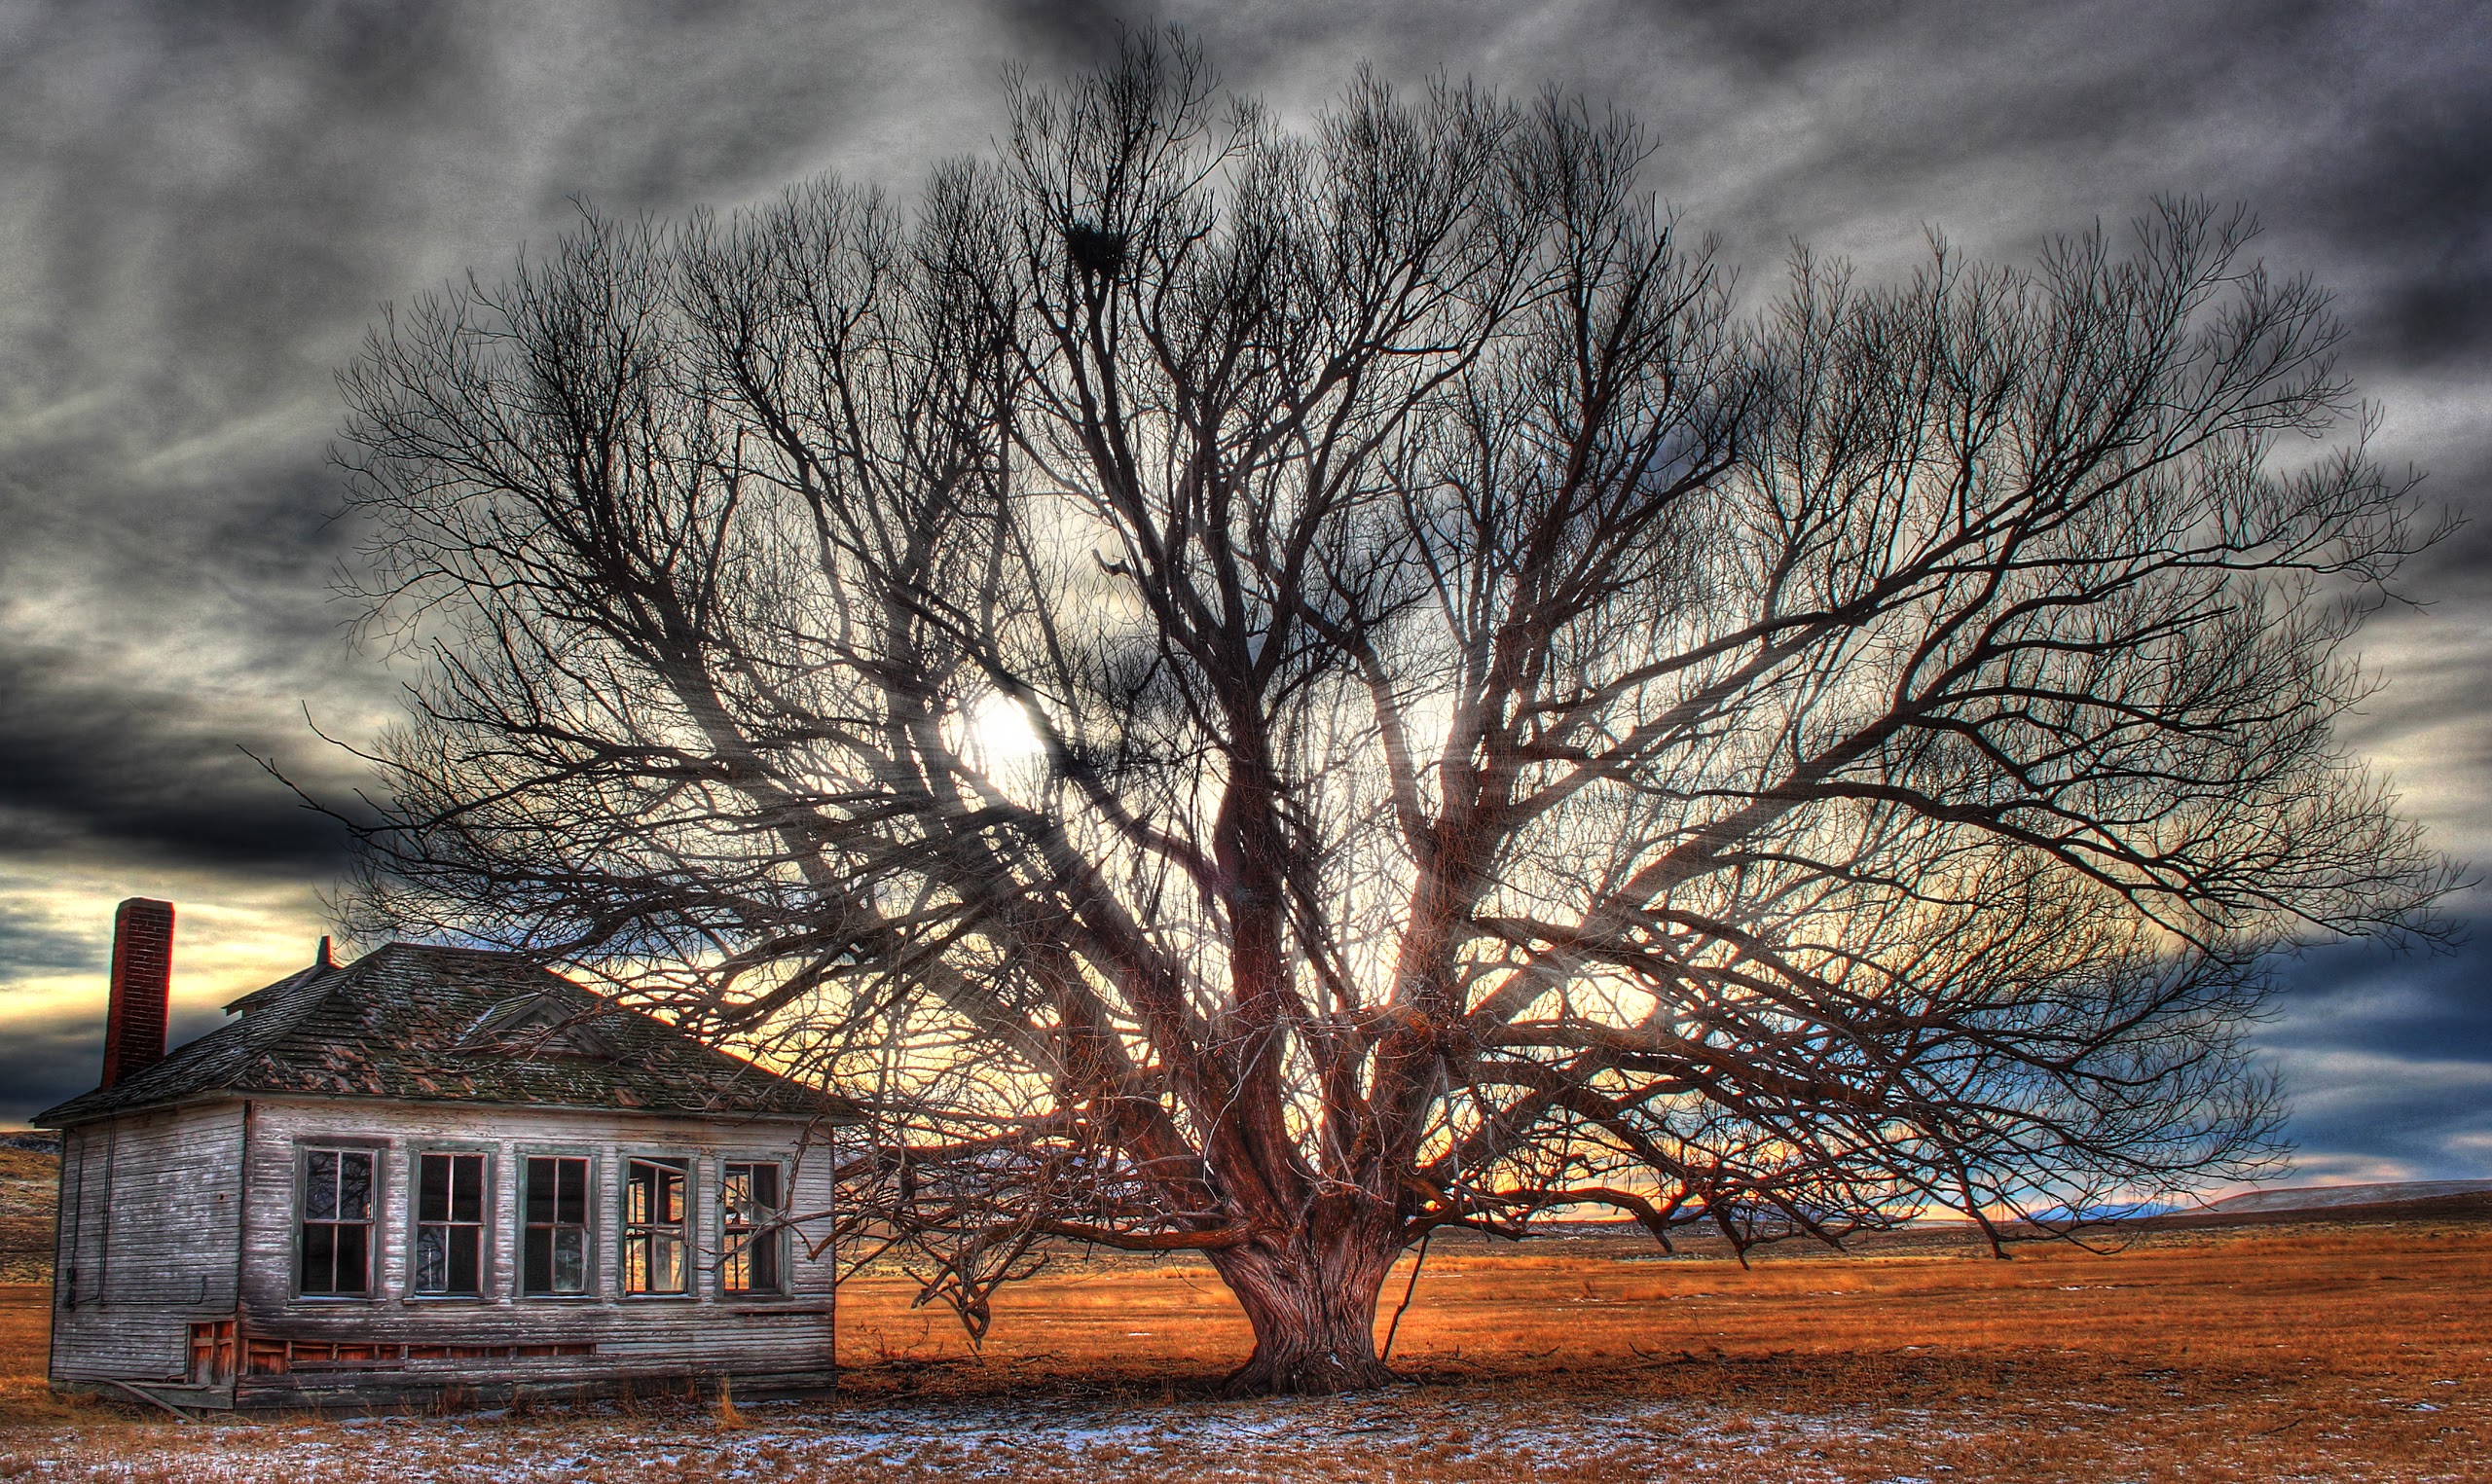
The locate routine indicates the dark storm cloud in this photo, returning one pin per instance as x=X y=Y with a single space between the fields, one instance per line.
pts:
x=33 y=943
x=2388 y=1056
x=2433 y=211
x=212 y=184
x=201 y=207
x=52 y=1059
x=47 y=1061
x=1079 y=31
x=92 y=771
x=209 y=206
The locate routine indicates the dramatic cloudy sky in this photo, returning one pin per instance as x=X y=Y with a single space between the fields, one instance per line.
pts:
x=203 y=206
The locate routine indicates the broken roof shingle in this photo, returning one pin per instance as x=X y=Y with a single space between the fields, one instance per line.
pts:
x=402 y=1021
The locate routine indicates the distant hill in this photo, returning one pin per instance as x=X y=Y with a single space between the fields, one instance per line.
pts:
x=2130 y=1211
x=2328 y=1197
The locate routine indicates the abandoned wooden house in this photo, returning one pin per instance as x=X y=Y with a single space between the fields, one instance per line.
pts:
x=430 y=1174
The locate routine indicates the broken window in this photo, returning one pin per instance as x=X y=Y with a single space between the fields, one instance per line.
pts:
x=654 y=1221
x=337 y=1222
x=449 y=1224
x=554 y=1247
x=749 y=1244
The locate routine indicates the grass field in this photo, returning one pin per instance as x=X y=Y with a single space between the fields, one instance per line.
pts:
x=2322 y=1351
x=27 y=1180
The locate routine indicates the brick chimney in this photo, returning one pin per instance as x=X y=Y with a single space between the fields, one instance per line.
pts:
x=142 y=988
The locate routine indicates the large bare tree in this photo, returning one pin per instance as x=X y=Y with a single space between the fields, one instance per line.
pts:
x=1265 y=692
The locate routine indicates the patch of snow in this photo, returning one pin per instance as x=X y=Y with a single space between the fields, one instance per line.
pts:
x=2325 y=1197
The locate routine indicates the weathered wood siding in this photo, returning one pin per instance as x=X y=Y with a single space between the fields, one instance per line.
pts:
x=374 y=1349
x=147 y=1241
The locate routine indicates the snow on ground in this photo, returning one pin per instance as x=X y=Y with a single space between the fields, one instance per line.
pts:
x=1280 y=1438
x=2333 y=1197
x=1489 y=1435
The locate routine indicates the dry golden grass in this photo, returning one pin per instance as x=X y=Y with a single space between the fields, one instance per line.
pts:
x=2305 y=1352
x=28 y=1179
x=2370 y=1302
x=2310 y=1350
x=25 y=1329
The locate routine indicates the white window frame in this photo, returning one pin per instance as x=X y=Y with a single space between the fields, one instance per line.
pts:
x=483 y=1225
x=374 y=1205
x=587 y=1225
x=775 y=1236
x=651 y=1231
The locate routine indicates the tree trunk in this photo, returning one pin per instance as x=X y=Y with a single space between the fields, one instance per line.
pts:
x=1313 y=1304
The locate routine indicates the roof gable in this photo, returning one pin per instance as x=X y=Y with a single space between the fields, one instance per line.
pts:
x=414 y=1021
x=534 y=1024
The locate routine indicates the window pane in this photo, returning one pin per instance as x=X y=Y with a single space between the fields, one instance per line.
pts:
x=432 y=1259
x=321 y=1186
x=571 y=1206
x=750 y=1193
x=351 y=1258
x=540 y=1189
x=467 y=1188
x=451 y=1189
x=355 y=1187
x=320 y=1258
x=553 y=1255
x=749 y=1198
x=571 y=1260
x=466 y=1260
x=432 y=1189
x=653 y=1237
x=652 y=1194
x=666 y=1262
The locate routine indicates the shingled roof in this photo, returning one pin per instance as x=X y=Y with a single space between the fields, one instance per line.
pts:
x=414 y=1022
